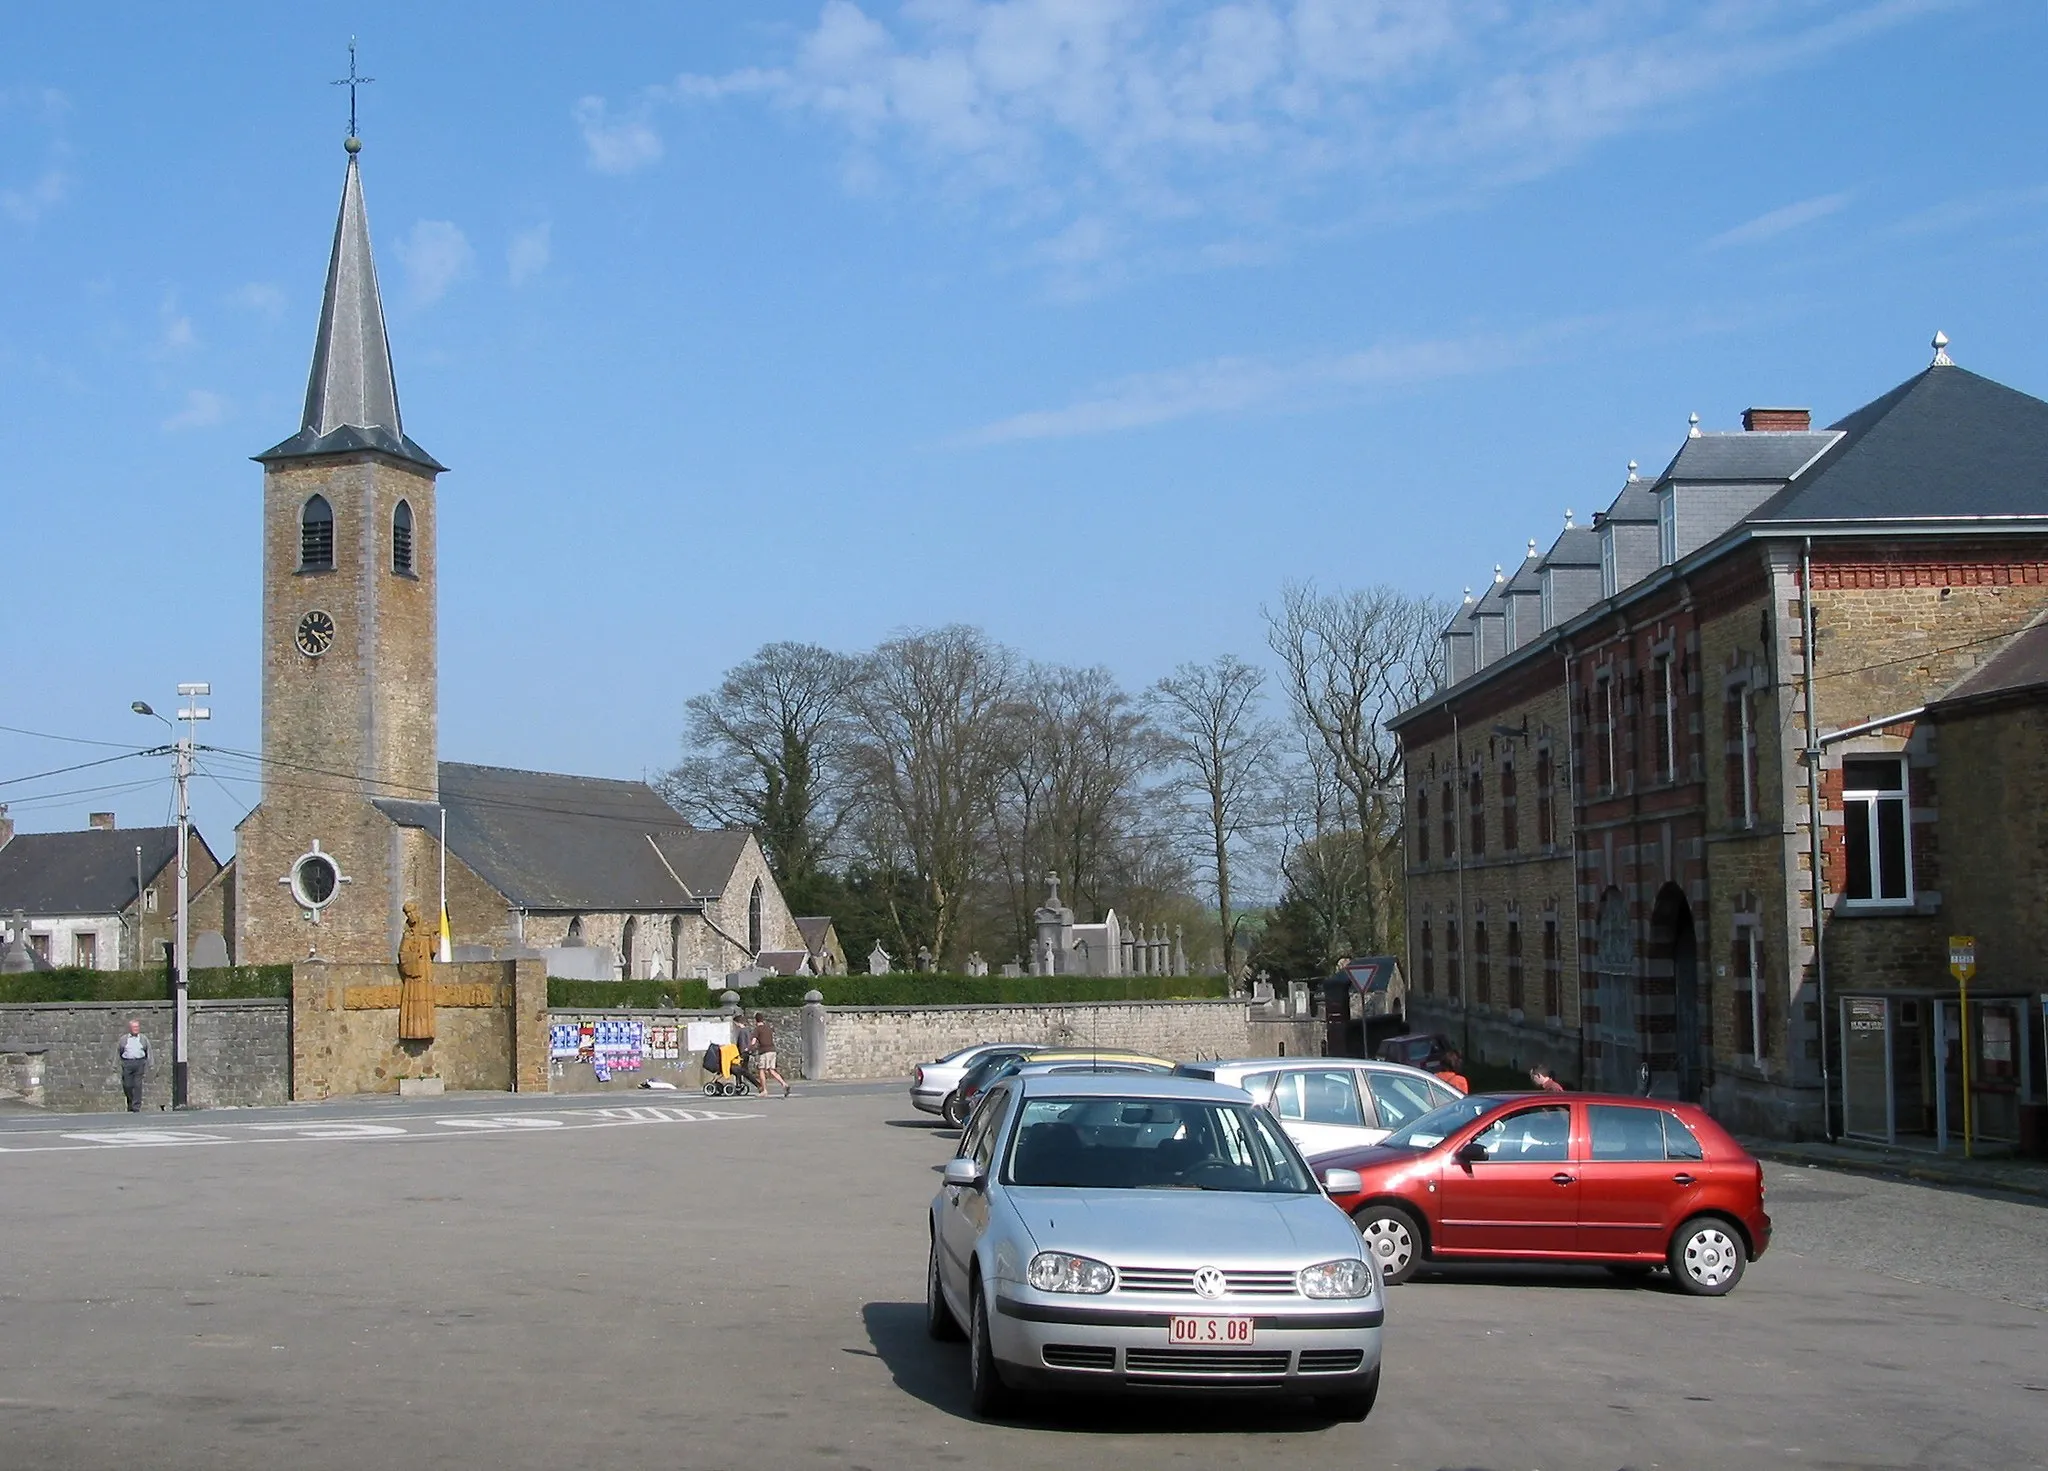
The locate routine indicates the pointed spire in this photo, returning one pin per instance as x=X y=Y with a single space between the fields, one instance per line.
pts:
x=351 y=394
x=1941 y=357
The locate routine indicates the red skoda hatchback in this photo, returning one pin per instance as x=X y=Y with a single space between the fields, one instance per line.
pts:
x=1630 y=1183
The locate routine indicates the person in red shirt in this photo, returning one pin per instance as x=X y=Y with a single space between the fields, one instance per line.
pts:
x=1540 y=1076
x=1447 y=1071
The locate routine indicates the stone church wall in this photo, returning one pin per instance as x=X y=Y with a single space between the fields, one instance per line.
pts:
x=887 y=1042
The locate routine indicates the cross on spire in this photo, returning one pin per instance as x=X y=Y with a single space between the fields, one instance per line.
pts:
x=351 y=81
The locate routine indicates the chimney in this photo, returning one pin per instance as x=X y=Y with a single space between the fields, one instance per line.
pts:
x=6 y=826
x=102 y=822
x=1780 y=421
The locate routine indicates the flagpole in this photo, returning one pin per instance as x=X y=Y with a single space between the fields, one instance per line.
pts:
x=447 y=954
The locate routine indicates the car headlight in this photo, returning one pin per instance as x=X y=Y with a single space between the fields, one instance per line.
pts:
x=1055 y=1271
x=1348 y=1277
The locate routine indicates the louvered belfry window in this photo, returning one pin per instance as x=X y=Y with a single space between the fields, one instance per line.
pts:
x=316 y=535
x=401 y=538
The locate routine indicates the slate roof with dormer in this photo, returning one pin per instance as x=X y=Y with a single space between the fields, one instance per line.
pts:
x=1946 y=443
x=1948 y=450
x=1747 y=456
x=2017 y=672
x=574 y=843
x=91 y=872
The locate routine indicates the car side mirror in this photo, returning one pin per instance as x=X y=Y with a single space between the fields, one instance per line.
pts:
x=1342 y=1182
x=1471 y=1152
x=965 y=1172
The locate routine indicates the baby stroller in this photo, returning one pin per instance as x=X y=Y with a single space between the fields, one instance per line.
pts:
x=725 y=1072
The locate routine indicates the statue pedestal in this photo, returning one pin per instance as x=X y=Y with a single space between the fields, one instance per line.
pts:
x=421 y=1088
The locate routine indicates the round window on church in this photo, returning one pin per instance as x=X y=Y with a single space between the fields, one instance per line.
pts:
x=314 y=878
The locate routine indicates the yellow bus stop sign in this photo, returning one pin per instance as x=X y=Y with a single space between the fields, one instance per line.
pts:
x=1962 y=957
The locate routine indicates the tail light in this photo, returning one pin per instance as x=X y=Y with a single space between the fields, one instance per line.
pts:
x=918 y=1081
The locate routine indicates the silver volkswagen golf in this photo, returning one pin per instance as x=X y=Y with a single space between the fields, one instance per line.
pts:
x=1147 y=1232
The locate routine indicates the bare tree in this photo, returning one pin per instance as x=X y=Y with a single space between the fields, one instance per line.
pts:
x=1351 y=662
x=1221 y=747
x=769 y=750
x=931 y=708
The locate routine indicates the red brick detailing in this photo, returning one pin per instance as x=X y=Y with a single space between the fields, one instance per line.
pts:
x=1796 y=420
x=1839 y=576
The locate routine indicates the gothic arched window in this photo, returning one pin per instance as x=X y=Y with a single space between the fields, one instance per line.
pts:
x=401 y=538
x=316 y=536
x=575 y=935
x=626 y=939
x=754 y=920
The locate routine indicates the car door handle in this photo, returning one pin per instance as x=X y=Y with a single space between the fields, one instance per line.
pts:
x=1682 y=1178
x=1561 y=1178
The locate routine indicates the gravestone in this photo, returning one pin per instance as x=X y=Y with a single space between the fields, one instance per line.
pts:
x=976 y=966
x=210 y=951
x=878 y=960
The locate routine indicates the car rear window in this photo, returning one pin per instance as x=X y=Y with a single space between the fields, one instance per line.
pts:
x=1622 y=1132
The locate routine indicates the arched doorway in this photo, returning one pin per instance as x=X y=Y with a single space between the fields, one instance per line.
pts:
x=1617 y=1032
x=1674 y=968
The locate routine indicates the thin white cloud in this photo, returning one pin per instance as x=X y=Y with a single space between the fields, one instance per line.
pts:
x=175 y=334
x=616 y=146
x=1237 y=385
x=1972 y=209
x=202 y=410
x=47 y=108
x=261 y=297
x=1780 y=221
x=1240 y=121
x=529 y=253
x=435 y=254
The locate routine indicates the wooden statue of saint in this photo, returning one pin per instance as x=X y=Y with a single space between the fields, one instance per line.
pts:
x=415 y=980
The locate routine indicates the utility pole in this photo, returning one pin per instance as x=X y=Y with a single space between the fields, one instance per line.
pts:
x=191 y=712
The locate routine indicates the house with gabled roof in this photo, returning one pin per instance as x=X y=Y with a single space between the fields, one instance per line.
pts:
x=1621 y=859
x=103 y=898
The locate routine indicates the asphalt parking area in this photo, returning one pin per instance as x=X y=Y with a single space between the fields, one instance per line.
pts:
x=746 y=1290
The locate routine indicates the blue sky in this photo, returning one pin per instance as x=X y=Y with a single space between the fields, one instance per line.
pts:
x=1091 y=322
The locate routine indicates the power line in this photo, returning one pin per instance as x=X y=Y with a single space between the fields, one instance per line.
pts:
x=43 y=735
x=15 y=781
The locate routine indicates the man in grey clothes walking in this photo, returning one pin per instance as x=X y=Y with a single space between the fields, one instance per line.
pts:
x=134 y=1063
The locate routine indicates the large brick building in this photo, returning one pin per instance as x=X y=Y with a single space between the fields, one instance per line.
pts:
x=1610 y=841
x=359 y=814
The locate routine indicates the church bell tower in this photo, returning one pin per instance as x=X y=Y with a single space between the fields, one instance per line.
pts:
x=348 y=643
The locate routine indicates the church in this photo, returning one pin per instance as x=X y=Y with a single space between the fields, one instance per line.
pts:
x=359 y=814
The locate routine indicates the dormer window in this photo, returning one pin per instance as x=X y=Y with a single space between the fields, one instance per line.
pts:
x=401 y=539
x=1610 y=571
x=316 y=536
x=1667 y=526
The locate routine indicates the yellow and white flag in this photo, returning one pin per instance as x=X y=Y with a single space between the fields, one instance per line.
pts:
x=447 y=949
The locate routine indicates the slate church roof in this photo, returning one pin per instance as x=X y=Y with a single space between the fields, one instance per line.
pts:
x=552 y=842
x=351 y=394
x=89 y=872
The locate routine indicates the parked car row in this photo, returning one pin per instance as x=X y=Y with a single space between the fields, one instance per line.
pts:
x=1117 y=1221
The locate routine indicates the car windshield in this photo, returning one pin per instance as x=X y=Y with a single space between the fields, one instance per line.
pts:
x=1439 y=1123
x=1152 y=1144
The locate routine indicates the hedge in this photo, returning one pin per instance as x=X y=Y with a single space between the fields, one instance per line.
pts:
x=890 y=990
x=229 y=983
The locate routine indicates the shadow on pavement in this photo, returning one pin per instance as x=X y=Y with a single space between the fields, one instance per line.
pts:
x=1502 y=1274
x=937 y=1374
x=933 y=1125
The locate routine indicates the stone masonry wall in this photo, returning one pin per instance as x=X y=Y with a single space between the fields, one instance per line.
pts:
x=240 y=1051
x=887 y=1042
x=342 y=1044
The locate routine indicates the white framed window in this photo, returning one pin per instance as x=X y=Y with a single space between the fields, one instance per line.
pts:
x=1667 y=720
x=1667 y=527
x=1608 y=770
x=1752 y=1027
x=149 y=901
x=1877 y=830
x=1549 y=613
x=1610 y=576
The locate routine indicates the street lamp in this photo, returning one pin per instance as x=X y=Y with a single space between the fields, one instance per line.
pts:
x=181 y=771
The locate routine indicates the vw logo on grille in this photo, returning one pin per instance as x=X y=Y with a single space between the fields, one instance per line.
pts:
x=1209 y=1282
